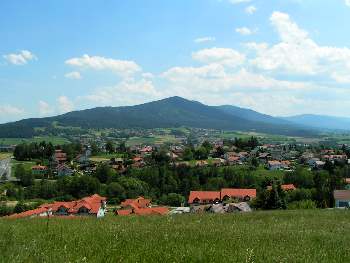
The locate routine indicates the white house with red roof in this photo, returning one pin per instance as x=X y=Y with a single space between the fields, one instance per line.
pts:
x=94 y=205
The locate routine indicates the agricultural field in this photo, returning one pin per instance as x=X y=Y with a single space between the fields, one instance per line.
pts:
x=53 y=139
x=269 y=236
x=158 y=139
x=5 y=156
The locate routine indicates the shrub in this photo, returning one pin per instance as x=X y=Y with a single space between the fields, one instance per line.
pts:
x=304 y=204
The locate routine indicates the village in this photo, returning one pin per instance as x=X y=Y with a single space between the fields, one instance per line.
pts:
x=237 y=175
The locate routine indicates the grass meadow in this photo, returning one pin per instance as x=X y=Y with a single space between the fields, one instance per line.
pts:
x=277 y=236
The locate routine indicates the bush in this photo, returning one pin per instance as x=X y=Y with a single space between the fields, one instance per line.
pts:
x=172 y=199
x=6 y=210
x=304 y=204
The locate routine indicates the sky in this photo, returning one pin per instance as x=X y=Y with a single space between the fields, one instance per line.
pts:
x=279 y=57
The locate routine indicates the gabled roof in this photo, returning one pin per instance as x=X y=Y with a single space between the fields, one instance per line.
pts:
x=238 y=192
x=92 y=203
x=203 y=195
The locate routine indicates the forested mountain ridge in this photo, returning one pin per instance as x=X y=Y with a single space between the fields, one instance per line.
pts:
x=165 y=113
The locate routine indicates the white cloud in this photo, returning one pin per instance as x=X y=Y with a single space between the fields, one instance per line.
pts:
x=224 y=56
x=250 y=9
x=10 y=110
x=245 y=31
x=20 y=58
x=121 y=67
x=64 y=104
x=73 y=75
x=239 y=1
x=298 y=54
x=44 y=108
x=127 y=92
x=347 y=2
x=204 y=39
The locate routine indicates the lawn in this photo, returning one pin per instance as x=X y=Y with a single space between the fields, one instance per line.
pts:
x=278 y=236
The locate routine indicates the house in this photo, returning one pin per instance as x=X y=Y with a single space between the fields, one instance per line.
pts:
x=64 y=170
x=146 y=150
x=39 y=170
x=274 y=165
x=140 y=206
x=210 y=197
x=285 y=187
x=59 y=157
x=232 y=160
x=138 y=162
x=94 y=205
x=342 y=198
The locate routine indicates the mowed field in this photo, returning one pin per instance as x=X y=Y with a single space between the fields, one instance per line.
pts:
x=278 y=236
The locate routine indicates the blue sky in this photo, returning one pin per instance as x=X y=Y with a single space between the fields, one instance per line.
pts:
x=278 y=57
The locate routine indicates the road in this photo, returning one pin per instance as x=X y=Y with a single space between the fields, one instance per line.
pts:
x=5 y=169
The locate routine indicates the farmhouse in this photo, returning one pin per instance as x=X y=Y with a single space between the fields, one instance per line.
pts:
x=140 y=206
x=94 y=205
x=39 y=170
x=210 y=197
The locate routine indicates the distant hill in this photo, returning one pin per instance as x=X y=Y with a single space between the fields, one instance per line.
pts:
x=320 y=121
x=170 y=112
x=253 y=115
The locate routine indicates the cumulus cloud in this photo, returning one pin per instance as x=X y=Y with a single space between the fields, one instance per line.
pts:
x=245 y=31
x=121 y=67
x=127 y=92
x=204 y=39
x=64 y=104
x=250 y=9
x=21 y=58
x=73 y=75
x=44 y=108
x=239 y=1
x=298 y=54
x=10 y=110
x=224 y=56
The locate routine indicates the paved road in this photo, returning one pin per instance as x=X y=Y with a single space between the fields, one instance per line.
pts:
x=5 y=169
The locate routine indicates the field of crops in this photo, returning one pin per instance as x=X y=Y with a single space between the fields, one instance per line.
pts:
x=278 y=236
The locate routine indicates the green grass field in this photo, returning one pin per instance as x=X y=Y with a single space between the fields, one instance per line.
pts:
x=53 y=139
x=278 y=236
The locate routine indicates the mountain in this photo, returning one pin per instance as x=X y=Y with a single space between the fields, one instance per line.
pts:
x=253 y=115
x=170 y=112
x=320 y=121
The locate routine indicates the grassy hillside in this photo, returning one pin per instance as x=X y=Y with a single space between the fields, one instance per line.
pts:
x=278 y=236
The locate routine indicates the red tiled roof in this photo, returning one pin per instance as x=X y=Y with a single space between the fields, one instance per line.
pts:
x=240 y=193
x=285 y=187
x=92 y=203
x=138 y=202
x=123 y=212
x=34 y=212
x=203 y=195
